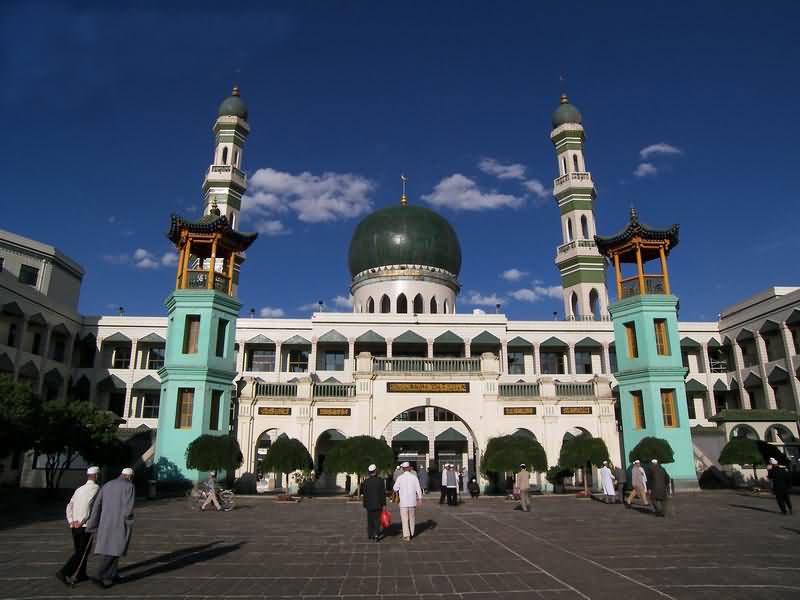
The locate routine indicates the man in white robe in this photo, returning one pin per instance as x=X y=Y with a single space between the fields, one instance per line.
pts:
x=407 y=487
x=607 y=481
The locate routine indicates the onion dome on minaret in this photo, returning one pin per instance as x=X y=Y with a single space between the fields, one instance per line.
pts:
x=407 y=253
x=566 y=113
x=233 y=105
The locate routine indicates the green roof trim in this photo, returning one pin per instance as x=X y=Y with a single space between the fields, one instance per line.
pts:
x=745 y=334
x=485 y=337
x=6 y=364
x=147 y=383
x=588 y=342
x=13 y=309
x=53 y=376
x=688 y=342
x=370 y=337
x=409 y=337
x=752 y=380
x=778 y=375
x=553 y=342
x=60 y=329
x=410 y=435
x=152 y=338
x=332 y=336
x=297 y=340
x=37 y=319
x=110 y=383
x=451 y=435
x=29 y=370
x=713 y=343
x=756 y=414
x=259 y=339
x=769 y=326
x=695 y=386
x=448 y=337
x=720 y=386
x=117 y=338
x=519 y=342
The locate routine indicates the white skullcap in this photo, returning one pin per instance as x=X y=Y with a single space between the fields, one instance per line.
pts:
x=773 y=461
x=636 y=461
x=127 y=471
x=405 y=465
x=92 y=470
x=522 y=465
x=605 y=462
x=372 y=468
x=654 y=461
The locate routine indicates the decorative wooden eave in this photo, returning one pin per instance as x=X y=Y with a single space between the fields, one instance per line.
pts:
x=637 y=235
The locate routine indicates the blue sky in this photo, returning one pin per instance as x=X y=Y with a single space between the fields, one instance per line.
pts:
x=109 y=113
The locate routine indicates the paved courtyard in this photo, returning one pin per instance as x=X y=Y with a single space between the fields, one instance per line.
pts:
x=716 y=545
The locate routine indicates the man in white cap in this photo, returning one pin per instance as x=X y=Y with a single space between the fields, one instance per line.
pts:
x=607 y=481
x=407 y=487
x=374 y=500
x=659 y=488
x=638 y=483
x=781 y=484
x=78 y=510
x=451 y=483
x=112 y=523
x=522 y=483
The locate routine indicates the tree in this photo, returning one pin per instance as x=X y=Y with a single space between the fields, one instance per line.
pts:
x=20 y=412
x=649 y=448
x=742 y=451
x=505 y=453
x=67 y=430
x=581 y=451
x=214 y=453
x=355 y=454
x=286 y=455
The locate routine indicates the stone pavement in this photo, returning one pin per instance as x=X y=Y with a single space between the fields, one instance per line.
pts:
x=716 y=545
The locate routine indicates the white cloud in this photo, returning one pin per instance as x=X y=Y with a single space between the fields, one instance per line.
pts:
x=538 y=188
x=461 y=193
x=313 y=198
x=143 y=259
x=112 y=219
x=644 y=169
x=479 y=299
x=170 y=259
x=513 y=274
x=658 y=149
x=492 y=167
x=343 y=302
x=272 y=227
x=268 y=312
x=309 y=306
x=538 y=292
x=116 y=259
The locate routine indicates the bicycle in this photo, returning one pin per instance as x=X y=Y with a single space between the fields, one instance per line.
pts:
x=197 y=496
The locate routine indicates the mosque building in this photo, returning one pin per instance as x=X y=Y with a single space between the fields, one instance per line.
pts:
x=405 y=364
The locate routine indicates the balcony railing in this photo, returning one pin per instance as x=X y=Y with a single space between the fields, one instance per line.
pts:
x=718 y=366
x=427 y=365
x=653 y=284
x=335 y=390
x=276 y=390
x=198 y=279
x=564 y=248
x=224 y=169
x=572 y=178
x=518 y=390
x=574 y=389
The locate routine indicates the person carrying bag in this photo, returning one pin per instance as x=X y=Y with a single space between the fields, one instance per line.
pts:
x=375 y=503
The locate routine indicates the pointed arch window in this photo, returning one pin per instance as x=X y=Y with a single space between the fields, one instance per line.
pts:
x=402 y=304
x=446 y=307
x=419 y=305
x=433 y=306
x=575 y=163
x=584 y=227
x=564 y=163
x=569 y=230
x=386 y=304
x=594 y=304
x=370 y=305
x=574 y=304
x=225 y=156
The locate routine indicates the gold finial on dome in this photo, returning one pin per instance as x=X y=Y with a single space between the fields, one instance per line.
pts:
x=403 y=197
x=235 y=91
x=564 y=99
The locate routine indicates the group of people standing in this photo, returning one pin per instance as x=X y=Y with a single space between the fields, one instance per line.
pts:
x=406 y=491
x=653 y=491
x=102 y=516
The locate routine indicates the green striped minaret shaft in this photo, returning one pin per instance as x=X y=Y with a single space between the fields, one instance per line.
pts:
x=581 y=266
x=225 y=182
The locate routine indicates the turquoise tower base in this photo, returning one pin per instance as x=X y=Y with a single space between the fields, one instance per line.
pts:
x=649 y=373
x=208 y=372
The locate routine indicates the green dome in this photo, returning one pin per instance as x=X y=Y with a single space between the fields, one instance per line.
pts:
x=404 y=235
x=233 y=106
x=566 y=113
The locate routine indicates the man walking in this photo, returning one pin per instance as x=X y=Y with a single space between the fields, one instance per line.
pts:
x=423 y=479
x=659 y=488
x=407 y=487
x=451 y=479
x=781 y=484
x=78 y=509
x=639 y=482
x=211 y=492
x=112 y=523
x=443 y=484
x=522 y=483
x=621 y=476
x=374 y=501
x=607 y=481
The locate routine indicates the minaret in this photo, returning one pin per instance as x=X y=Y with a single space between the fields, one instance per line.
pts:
x=652 y=393
x=581 y=266
x=225 y=181
x=197 y=377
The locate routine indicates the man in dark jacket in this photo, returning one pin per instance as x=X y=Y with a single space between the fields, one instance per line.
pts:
x=659 y=488
x=781 y=484
x=374 y=501
x=621 y=477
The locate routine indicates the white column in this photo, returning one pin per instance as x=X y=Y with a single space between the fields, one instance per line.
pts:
x=761 y=352
x=278 y=357
x=571 y=367
x=607 y=359
x=537 y=363
x=131 y=368
x=388 y=347
x=351 y=359
x=738 y=361
x=312 y=358
x=467 y=349
x=504 y=356
x=430 y=348
x=791 y=364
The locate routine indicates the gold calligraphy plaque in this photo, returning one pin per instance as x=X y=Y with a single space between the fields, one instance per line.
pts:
x=283 y=411
x=333 y=412
x=576 y=410
x=421 y=387
x=519 y=410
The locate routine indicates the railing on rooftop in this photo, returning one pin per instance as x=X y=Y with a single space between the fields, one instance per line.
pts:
x=427 y=365
x=572 y=177
x=574 y=389
x=563 y=248
x=519 y=390
x=278 y=390
x=334 y=390
x=653 y=284
x=216 y=169
x=198 y=279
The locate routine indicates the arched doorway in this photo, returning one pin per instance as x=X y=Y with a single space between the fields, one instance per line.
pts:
x=569 y=435
x=263 y=442
x=326 y=442
x=429 y=437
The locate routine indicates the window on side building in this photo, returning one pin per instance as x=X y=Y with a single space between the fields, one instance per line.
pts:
x=28 y=275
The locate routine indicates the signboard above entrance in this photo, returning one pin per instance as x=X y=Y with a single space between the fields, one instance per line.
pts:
x=333 y=412
x=422 y=387
x=275 y=410
x=576 y=410
x=519 y=410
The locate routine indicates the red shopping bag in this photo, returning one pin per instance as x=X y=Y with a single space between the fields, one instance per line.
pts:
x=386 y=519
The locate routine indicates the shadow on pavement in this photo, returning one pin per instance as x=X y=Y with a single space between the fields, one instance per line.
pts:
x=754 y=508
x=396 y=529
x=173 y=561
x=792 y=529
